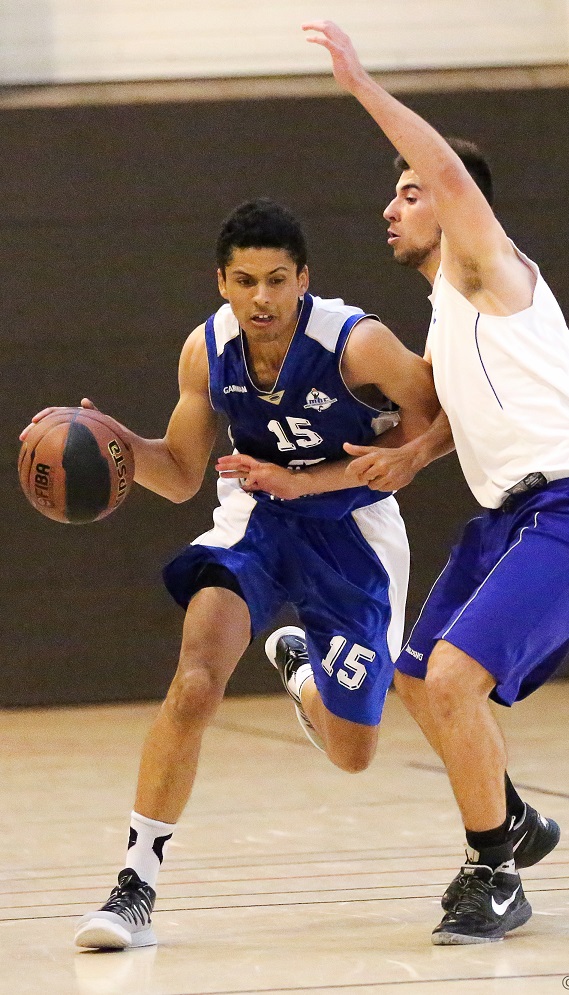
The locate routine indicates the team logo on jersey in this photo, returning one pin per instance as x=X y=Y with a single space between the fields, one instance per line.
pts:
x=275 y=398
x=318 y=400
x=234 y=388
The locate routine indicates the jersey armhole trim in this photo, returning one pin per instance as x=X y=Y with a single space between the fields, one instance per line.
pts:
x=343 y=337
x=209 y=334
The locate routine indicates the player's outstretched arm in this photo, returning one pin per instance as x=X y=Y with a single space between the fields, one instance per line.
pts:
x=374 y=354
x=286 y=483
x=391 y=464
x=466 y=218
x=175 y=465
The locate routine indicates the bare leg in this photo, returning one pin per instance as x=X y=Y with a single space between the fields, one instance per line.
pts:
x=413 y=694
x=349 y=745
x=471 y=741
x=216 y=634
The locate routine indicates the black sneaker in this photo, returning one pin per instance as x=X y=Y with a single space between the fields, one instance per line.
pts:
x=533 y=838
x=124 y=921
x=286 y=649
x=490 y=904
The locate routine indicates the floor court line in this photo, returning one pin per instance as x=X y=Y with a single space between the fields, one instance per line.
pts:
x=267 y=817
x=361 y=986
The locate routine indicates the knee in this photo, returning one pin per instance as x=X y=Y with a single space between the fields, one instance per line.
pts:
x=454 y=679
x=444 y=686
x=411 y=690
x=353 y=758
x=194 y=694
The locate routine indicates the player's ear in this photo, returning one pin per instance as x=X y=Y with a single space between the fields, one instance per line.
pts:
x=303 y=281
x=222 y=285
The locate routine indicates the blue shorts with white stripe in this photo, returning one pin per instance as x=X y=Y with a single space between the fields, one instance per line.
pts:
x=503 y=597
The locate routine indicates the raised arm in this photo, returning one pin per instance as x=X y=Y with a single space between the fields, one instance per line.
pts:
x=477 y=252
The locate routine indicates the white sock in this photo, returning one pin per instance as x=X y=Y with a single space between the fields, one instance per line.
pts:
x=302 y=674
x=147 y=845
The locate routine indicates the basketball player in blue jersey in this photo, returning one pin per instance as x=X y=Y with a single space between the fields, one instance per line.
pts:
x=496 y=623
x=283 y=366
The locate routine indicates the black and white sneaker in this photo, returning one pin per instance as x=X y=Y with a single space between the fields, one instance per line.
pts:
x=286 y=649
x=490 y=904
x=533 y=837
x=123 y=921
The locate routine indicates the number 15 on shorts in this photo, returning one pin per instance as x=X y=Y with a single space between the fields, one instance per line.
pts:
x=353 y=671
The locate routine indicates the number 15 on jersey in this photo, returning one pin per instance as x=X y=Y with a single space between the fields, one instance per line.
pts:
x=353 y=672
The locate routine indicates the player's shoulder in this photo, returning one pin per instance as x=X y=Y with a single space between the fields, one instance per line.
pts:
x=195 y=342
x=371 y=346
x=193 y=365
x=333 y=306
x=221 y=328
x=328 y=318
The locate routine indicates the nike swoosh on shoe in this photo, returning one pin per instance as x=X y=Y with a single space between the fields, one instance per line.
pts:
x=520 y=841
x=500 y=908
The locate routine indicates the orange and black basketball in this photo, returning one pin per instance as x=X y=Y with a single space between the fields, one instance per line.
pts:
x=74 y=467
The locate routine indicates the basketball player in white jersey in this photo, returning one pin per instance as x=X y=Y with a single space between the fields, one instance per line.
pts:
x=496 y=623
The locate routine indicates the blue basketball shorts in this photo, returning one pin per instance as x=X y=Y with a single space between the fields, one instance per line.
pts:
x=346 y=579
x=503 y=597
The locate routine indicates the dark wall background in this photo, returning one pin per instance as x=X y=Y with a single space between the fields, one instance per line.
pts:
x=108 y=217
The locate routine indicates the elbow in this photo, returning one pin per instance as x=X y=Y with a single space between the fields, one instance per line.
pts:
x=180 y=495
x=179 y=479
x=433 y=412
x=182 y=487
x=454 y=180
x=184 y=483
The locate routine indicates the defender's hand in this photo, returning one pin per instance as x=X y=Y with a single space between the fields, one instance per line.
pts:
x=382 y=469
x=348 y=70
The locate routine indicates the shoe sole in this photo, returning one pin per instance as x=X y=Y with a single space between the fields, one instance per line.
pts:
x=272 y=640
x=100 y=934
x=517 y=919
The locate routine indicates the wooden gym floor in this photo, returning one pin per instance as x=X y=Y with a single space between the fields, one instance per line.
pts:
x=285 y=875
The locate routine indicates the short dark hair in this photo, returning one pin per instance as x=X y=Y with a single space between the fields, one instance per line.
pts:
x=261 y=224
x=473 y=159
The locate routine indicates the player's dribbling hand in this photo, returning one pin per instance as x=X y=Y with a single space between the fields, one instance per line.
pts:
x=256 y=475
x=85 y=403
x=348 y=70
x=382 y=469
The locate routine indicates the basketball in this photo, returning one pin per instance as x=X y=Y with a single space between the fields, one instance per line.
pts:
x=74 y=468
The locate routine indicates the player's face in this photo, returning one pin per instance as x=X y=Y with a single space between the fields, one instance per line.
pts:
x=413 y=233
x=263 y=288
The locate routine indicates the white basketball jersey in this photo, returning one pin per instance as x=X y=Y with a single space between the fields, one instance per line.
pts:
x=504 y=385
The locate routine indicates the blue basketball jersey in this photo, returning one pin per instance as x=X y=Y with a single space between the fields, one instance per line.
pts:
x=309 y=413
